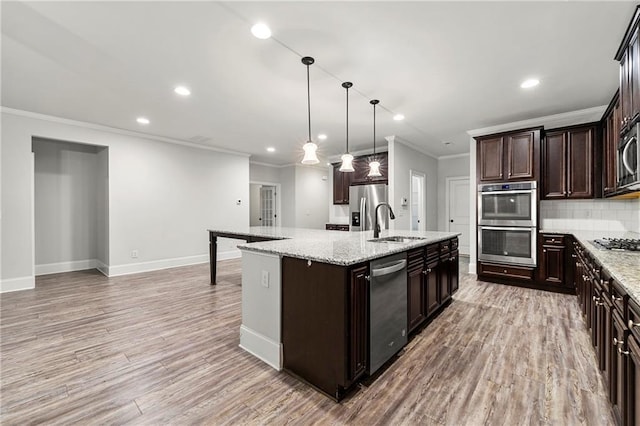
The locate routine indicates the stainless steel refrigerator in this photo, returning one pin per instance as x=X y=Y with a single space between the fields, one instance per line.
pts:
x=363 y=200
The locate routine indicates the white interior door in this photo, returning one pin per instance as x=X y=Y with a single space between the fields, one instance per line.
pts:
x=418 y=196
x=268 y=205
x=458 y=210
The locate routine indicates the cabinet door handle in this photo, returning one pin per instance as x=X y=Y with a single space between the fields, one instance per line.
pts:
x=596 y=299
x=617 y=342
x=632 y=324
x=424 y=272
x=617 y=299
x=574 y=256
x=621 y=352
x=428 y=270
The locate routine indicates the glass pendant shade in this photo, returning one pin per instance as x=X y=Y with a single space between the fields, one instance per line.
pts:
x=374 y=169
x=310 y=156
x=347 y=163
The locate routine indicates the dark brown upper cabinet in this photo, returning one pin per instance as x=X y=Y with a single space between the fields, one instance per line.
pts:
x=629 y=56
x=610 y=137
x=509 y=156
x=342 y=180
x=569 y=167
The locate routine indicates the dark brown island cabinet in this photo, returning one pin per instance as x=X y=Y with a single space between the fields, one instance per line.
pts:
x=343 y=180
x=325 y=313
x=570 y=166
x=512 y=156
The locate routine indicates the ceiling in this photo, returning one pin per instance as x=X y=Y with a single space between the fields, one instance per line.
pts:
x=447 y=66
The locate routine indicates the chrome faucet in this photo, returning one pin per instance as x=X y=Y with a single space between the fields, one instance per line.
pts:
x=376 y=226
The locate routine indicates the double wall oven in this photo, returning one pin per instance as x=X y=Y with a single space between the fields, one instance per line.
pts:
x=507 y=223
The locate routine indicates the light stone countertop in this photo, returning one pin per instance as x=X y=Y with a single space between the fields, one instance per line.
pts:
x=334 y=247
x=623 y=266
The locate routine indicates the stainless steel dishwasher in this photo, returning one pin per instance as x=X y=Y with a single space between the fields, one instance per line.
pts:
x=387 y=309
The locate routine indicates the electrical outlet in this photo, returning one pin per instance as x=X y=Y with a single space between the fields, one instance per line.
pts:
x=134 y=254
x=265 y=279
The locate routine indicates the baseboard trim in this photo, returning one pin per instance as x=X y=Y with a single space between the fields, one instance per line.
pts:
x=74 y=265
x=261 y=347
x=472 y=268
x=155 y=265
x=103 y=268
x=17 y=284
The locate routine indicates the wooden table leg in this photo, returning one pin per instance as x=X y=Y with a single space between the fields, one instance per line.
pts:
x=213 y=256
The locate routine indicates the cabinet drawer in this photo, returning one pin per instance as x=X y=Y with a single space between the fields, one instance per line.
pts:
x=415 y=257
x=507 y=271
x=433 y=251
x=620 y=298
x=634 y=319
x=445 y=247
x=554 y=240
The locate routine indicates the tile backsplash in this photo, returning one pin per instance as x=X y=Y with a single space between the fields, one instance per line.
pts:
x=590 y=215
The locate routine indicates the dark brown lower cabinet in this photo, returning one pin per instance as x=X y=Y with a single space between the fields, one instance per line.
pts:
x=443 y=278
x=617 y=379
x=633 y=382
x=432 y=299
x=415 y=292
x=454 y=271
x=324 y=323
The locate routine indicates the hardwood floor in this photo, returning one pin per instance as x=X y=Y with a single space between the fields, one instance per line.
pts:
x=162 y=348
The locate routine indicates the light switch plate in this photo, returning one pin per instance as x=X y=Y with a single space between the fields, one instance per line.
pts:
x=265 y=279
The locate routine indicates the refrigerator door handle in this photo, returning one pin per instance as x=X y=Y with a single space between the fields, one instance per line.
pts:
x=363 y=216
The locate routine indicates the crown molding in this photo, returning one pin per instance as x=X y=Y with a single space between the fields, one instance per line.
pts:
x=447 y=157
x=549 y=121
x=115 y=130
x=411 y=145
x=275 y=166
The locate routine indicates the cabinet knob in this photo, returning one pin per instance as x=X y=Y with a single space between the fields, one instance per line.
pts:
x=505 y=271
x=596 y=298
x=617 y=299
x=617 y=342
x=544 y=250
x=424 y=272
x=574 y=256
x=428 y=270
x=621 y=352
x=632 y=324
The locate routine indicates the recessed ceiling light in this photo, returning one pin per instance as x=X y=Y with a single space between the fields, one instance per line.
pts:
x=398 y=117
x=142 y=120
x=532 y=82
x=261 y=31
x=271 y=149
x=183 y=91
x=322 y=136
x=446 y=143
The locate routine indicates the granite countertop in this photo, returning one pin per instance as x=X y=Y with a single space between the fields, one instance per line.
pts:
x=623 y=266
x=335 y=247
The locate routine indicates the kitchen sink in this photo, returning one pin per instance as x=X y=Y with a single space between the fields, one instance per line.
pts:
x=395 y=239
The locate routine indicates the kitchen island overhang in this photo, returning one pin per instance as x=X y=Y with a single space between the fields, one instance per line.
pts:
x=335 y=253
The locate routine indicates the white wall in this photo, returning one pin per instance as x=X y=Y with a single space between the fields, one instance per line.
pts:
x=67 y=206
x=457 y=166
x=254 y=204
x=403 y=159
x=162 y=196
x=102 y=196
x=312 y=190
x=262 y=173
x=288 y=196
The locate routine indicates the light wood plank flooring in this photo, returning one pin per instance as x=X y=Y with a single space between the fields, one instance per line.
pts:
x=162 y=348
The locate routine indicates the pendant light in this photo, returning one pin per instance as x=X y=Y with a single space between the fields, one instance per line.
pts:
x=309 y=147
x=347 y=159
x=374 y=165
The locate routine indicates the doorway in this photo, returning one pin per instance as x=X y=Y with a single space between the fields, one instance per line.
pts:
x=457 y=210
x=418 y=197
x=264 y=204
x=71 y=206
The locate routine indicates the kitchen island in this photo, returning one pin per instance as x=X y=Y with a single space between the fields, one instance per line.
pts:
x=305 y=297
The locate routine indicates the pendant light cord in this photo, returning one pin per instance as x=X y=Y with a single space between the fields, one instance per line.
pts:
x=374 y=129
x=309 y=103
x=346 y=86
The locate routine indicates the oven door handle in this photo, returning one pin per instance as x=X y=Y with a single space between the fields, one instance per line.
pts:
x=624 y=155
x=508 y=228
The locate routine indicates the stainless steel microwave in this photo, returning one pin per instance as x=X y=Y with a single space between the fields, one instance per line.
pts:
x=508 y=204
x=629 y=160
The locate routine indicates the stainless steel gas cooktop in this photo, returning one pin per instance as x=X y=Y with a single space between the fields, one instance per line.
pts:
x=623 y=244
